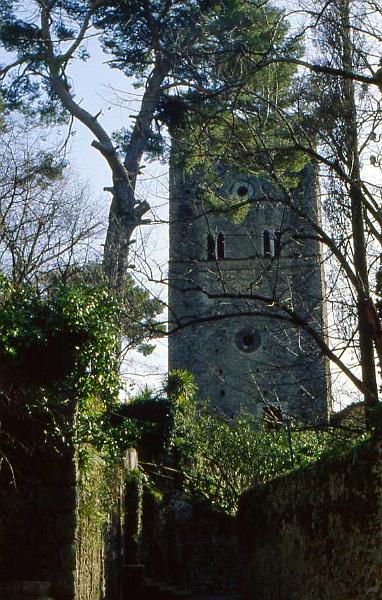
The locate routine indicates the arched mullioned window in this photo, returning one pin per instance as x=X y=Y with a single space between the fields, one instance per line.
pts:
x=267 y=243
x=220 y=246
x=277 y=244
x=211 y=247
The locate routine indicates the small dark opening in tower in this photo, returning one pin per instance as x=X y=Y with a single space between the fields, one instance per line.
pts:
x=242 y=191
x=222 y=392
x=248 y=340
x=267 y=243
x=210 y=247
x=220 y=246
x=277 y=244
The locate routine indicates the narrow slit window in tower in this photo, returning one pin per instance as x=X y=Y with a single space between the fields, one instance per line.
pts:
x=210 y=247
x=267 y=243
x=277 y=244
x=220 y=246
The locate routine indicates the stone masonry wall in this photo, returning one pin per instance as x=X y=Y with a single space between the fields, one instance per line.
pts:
x=38 y=519
x=99 y=539
x=191 y=546
x=55 y=525
x=316 y=534
x=241 y=351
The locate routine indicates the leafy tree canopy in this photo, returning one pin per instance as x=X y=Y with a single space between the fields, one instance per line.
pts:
x=203 y=46
x=137 y=313
x=202 y=65
x=58 y=351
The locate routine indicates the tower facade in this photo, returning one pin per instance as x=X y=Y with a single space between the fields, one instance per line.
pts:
x=246 y=293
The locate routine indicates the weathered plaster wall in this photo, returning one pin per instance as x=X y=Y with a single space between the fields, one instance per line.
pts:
x=316 y=534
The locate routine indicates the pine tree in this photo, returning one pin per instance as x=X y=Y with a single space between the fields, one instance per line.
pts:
x=196 y=49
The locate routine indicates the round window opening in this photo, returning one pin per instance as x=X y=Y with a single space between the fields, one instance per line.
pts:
x=242 y=191
x=248 y=339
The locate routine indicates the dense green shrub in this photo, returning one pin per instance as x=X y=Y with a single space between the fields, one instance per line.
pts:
x=58 y=356
x=216 y=458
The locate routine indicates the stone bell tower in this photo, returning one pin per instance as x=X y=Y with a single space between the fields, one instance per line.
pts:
x=239 y=284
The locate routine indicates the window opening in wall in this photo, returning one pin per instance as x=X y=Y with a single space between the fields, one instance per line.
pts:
x=267 y=242
x=210 y=247
x=220 y=246
x=215 y=247
x=248 y=339
x=242 y=191
x=277 y=244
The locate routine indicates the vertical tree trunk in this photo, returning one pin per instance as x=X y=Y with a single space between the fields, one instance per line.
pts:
x=368 y=366
x=125 y=212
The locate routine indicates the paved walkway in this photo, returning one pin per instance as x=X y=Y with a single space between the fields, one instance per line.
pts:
x=218 y=597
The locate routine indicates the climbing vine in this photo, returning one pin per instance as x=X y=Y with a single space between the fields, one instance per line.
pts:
x=58 y=355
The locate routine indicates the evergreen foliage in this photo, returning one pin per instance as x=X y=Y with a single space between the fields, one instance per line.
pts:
x=220 y=458
x=215 y=458
x=58 y=359
x=211 y=54
x=202 y=66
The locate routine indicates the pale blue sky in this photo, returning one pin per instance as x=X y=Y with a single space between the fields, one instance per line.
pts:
x=101 y=88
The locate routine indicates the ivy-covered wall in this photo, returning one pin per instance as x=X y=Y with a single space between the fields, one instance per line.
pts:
x=61 y=520
x=316 y=534
x=100 y=521
x=38 y=506
x=60 y=453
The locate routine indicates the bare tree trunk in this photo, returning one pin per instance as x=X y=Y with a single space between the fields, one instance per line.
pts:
x=125 y=213
x=365 y=333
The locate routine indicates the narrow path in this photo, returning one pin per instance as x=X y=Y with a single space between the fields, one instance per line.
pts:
x=219 y=597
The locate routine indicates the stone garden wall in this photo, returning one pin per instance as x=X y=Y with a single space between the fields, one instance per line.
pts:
x=316 y=534
x=38 y=500
x=59 y=523
x=189 y=545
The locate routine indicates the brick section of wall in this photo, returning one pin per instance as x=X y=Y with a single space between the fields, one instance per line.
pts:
x=316 y=534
